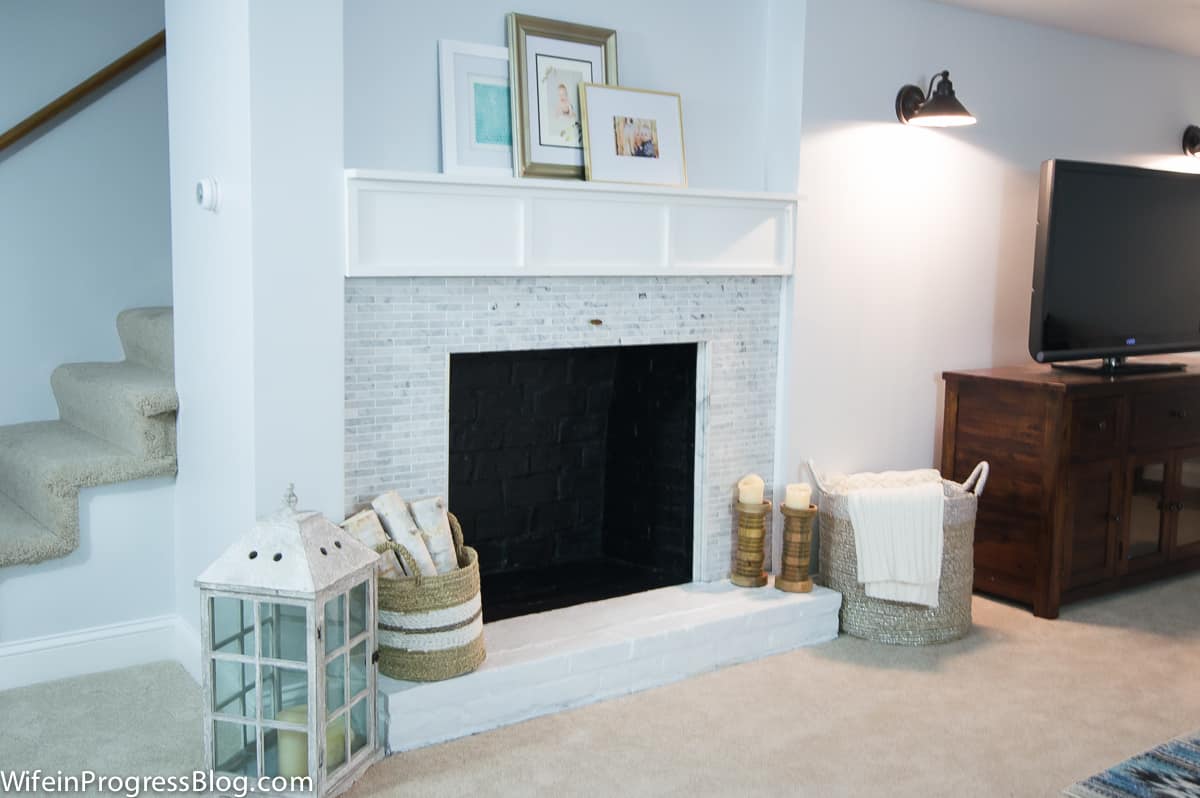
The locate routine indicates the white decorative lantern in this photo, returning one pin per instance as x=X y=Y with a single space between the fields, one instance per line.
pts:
x=288 y=630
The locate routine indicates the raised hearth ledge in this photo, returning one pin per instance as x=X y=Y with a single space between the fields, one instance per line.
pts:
x=544 y=663
x=401 y=224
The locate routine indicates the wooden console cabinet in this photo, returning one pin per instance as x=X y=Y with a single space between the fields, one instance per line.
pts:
x=1095 y=481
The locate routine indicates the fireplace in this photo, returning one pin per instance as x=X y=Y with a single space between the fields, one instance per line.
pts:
x=575 y=471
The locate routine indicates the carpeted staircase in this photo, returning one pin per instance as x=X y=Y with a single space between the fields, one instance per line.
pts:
x=116 y=423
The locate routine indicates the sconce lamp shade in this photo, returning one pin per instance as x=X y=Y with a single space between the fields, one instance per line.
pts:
x=939 y=108
x=1191 y=141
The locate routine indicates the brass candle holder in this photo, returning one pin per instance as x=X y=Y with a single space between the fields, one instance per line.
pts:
x=752 y=534
x=793 y=575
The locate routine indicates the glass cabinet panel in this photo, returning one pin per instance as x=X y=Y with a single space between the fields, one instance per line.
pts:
x=335 y=684
x=1146 y=510
x=1187 y=532
x=284 y=631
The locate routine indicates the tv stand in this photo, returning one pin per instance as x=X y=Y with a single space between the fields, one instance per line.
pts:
x=1117 y=366
x=1095 y=482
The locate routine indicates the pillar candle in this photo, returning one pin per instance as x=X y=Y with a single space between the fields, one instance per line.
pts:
x=293 y=745
x=750 y=489
x=799 y=495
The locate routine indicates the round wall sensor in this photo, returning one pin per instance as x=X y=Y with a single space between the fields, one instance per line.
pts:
x=206 y=194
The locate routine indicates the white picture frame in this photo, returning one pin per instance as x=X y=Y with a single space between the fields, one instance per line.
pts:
x=476 y=109
x=632 y=136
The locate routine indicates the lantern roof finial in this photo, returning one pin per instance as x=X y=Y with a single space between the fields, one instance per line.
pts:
x=289 y=499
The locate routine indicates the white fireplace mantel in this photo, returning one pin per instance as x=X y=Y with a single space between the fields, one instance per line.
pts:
x=419 y=225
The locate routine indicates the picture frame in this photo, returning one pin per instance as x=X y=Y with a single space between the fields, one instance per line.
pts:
x=474 y=83
x=548 y=60
x=633 y=136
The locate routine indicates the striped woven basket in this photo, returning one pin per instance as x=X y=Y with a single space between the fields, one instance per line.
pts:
x=431 y=627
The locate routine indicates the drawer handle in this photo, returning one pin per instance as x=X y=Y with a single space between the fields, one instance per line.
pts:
x=1179 y=414
x=1102 y=425
x=1116 y=519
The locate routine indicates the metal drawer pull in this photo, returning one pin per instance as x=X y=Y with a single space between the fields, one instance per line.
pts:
x=1179 y=414
x=1103 y=425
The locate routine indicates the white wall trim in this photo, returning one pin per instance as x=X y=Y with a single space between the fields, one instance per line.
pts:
x=187 y=647
x=409 y=225
x=100 y=648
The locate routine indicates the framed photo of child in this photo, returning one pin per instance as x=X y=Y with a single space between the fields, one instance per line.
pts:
x=549 y=61
x=632 y=136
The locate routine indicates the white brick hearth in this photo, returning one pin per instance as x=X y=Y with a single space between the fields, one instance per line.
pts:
x=544 y=663
x=401 y=331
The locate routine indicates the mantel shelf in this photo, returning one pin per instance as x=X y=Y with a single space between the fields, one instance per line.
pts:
x=406 y=225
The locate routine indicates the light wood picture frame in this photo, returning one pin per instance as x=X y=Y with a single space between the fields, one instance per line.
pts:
x=548 y=60
x=633 y=136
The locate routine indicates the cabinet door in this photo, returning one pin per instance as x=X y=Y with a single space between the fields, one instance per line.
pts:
x=1144 y=543
x=1185 y=536
x=1092 y=522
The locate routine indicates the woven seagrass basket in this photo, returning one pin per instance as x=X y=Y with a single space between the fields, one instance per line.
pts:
x=893 y=622
x=431 y=627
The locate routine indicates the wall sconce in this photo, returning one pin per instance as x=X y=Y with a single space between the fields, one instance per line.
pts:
x=938 y=108
x=1191 y=141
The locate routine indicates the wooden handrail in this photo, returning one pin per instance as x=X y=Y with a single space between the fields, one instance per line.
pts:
x=63 y=104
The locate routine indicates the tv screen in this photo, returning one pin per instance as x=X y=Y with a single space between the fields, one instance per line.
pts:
x=1117 y=264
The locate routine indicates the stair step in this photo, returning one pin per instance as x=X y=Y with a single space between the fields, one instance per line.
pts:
x=43 y=464
x=148 y=337
x=23 y=540
x=128 y=404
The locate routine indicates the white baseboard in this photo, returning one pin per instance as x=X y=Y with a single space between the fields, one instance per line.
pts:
x=187 y=647
x=100 y=648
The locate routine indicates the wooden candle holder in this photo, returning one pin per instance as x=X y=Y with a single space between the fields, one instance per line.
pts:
x=793 y=574
x=752 y=533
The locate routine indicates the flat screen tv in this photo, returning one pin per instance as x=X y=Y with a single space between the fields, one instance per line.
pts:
x=1117 y=266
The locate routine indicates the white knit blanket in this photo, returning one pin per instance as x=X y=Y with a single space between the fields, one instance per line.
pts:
x=897 y=518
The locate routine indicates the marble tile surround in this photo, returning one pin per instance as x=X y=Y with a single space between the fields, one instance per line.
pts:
x=401 y=331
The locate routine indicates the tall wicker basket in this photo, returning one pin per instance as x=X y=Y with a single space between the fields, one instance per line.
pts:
x=431 y=627
x=894 y=622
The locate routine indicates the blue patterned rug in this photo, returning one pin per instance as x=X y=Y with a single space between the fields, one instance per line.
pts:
x=1172 y=770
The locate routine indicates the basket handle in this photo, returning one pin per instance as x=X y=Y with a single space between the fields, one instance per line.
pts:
x=410 y=565
x=456 y=533
x=978 y=478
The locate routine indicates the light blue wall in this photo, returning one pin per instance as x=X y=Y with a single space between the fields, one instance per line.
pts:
x=84 y=217
x=916 y=245
x=712 y=52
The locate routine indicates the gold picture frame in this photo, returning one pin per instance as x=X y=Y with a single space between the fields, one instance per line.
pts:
x=633 y=136
x=534 y=153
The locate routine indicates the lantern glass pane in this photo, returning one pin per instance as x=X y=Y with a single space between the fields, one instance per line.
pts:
x=358 y=726
x=285 y=694
x=285 y=753
x=235 y=749
x=335 y=744
x=335 y=684
x=234 y=689
x=284 y=631
x=358 y=668
x=358 y=610
x=232 y=625
x=335 y=623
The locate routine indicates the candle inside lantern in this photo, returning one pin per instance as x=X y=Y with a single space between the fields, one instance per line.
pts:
x=750 y=489
x=799 y=495
x=293 y=745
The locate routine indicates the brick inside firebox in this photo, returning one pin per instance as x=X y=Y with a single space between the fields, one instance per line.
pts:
x=574 y=469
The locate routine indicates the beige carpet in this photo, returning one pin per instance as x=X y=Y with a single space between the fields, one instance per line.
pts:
x=1022 y=707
